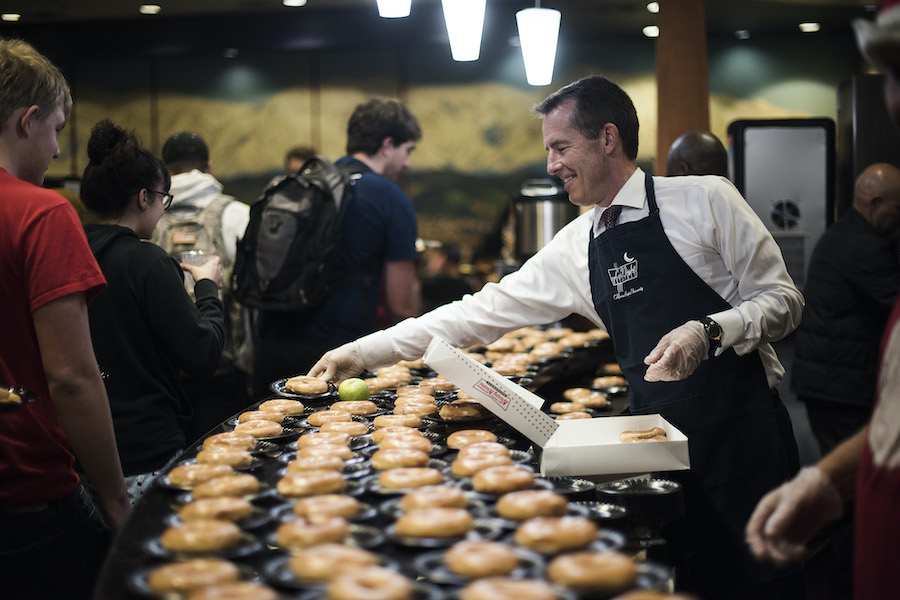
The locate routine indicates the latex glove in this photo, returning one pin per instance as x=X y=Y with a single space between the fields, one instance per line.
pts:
x=678 y=353
x=788 y=516
x=339 y=364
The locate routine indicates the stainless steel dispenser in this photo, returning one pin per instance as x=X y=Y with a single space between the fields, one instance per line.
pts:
x=541 y=209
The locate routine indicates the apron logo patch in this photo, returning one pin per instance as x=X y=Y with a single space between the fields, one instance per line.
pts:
x=620 y=275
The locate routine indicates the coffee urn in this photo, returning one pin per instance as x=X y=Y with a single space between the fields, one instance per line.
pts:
x=541 y=209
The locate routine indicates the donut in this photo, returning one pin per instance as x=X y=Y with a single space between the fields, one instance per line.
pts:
x=414 y=399
x=311 y=483
x=551 y=535
x=184 y=576
x=415 y=390
x=309 y=531
x=506 y=588
x=392 y=458
x=413 y=442
x=433 y=496
x=356 y=407
x=197 y=537
x=306 y=386
x=418 y=363
x=340 y=438
x=328 y=462
x=394 y=430
x=328 y=416
x=599 y=573
x=609 y=381
x=482 y=448
x=525 y=504
x=189 y=475
x=464 y=437
x=351 y=428
x=341 y=451
x=389 y=420
x=575 y=394
x=656 y=434
x=480 y=558
x=260 y=428
x=440 y=384
x=566 y=407
x=260 y=415
x=434 y=523
x=324 y=562
x=610 y=369
x=467 y=466
x=409 y=477
x=505 y=370
x=284 y=406
x=401 y=374
x=463 y=410
x=502 y=479
x=230 y=439
x=225 y=455
x=595 y=400
x=236 y=484
x=574 y=415
x=236 y=590
x=379 y=384
x=419 y=410
x=327 y=505
x=370 y=583
x=226 y=508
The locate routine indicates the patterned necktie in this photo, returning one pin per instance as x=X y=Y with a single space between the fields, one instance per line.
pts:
x=610 y=216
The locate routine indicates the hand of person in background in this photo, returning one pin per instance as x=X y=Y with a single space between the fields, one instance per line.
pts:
x=678 y=353
x=339 y=364
x=788 y=516
x=211 y=269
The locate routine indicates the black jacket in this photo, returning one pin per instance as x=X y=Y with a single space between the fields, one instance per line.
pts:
x=850 y=289
x=145 y=329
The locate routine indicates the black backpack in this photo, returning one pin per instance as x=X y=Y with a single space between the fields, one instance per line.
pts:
x=288 y=257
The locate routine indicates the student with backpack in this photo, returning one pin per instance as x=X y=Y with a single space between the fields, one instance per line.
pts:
x=376 y=251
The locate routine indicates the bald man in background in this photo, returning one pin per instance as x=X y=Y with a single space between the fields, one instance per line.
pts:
x=697 y=153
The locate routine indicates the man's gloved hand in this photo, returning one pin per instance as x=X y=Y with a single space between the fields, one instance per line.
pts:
x=339 y=364
x=678 y=353
x=788 y=516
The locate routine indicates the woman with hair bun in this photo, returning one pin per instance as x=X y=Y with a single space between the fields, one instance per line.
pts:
x=145 y=328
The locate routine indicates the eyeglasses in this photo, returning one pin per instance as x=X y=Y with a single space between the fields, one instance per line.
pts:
x=166 y=198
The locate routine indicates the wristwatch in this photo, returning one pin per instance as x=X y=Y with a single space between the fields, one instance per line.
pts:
x=713 y=334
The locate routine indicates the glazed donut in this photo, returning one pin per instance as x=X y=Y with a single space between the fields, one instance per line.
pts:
x=393 y=458
x=394 y=430
x=415 y=390
x=235 y=485
x=401 y=374
x=574 y=415
x=341 y=451
x=284 y=406
x=566 y=407
x=340 y=438
x=464 y=437
x=370 y=583
x=324 y=562
x=433 y=496
x=505 y=370
x=309 y=531
x=379 y=384
x=356 y=407
x=600 y=573
x=611 y=369
x=525 y=504
x=595 y=400
x=419 y=410
x=409 y=477
x=230 y=439
x=418 y=363
x=236 y=590
x=184 y=576
x=575 y=394
x=463 y=410
x=225 y=508
x=480 y=558
x=609 y=381
x=306 y=386
x=351 y=428
x=196 y=537
x=656 y=434
x=467 y=466
x=311 y=483
x=189 y=475
x=327 y=505
x=506 y=588
x=328 y=416
x=225 y=455
x=482 y=448
x=551 y=535
x=413 y=442
x=328 y=462
x=434 y=523
x=260 y=428
x=260 y=415
x=440 y=384
x=414 y=399
x=389 y=420
x=502 y=479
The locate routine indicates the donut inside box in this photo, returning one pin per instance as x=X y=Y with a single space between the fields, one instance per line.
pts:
x=577 y=447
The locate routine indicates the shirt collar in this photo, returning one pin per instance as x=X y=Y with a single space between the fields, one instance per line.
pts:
x=630 y=195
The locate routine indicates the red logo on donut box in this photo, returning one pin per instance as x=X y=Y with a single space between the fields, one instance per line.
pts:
x=492 y=392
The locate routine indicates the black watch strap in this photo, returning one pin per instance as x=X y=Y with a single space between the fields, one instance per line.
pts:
x=713 y=333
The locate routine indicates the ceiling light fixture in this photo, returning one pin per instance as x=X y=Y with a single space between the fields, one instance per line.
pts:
x=538 y=36
x=465 y=22
x=11 y=17
x=150 y=9
x=294 y=3
x=809 y=27
x=651 y=31
x=394 y=9
x=653 y=7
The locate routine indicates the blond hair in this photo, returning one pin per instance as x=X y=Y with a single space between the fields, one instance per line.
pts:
x=28 y=78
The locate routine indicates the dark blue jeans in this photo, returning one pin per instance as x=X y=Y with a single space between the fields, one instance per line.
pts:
x=56 y=552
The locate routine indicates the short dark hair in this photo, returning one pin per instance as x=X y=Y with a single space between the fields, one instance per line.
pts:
x=377 y=119
x=598 y=101
x=118 y=168
x=184 y=151
x=303 y=153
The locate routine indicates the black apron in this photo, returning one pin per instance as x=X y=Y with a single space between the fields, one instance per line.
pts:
x=642 y=289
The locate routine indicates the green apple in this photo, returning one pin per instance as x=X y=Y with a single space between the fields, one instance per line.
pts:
x=353 y=389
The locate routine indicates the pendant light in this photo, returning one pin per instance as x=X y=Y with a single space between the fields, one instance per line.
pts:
x=393 y=9
x=538 y=34
x=465 y=22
